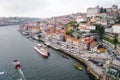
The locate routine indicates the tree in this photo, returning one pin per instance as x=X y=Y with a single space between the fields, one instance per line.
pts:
x=104 y=10
x=69 y=32
x=101 y=10
x=99 y=29
x=115 y=41
x=74 y=24
x=78 y=37
x=118 y=20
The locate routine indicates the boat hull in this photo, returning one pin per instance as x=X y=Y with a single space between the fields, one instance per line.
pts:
x=77 y=67
x=17 y=65
x=41 y=53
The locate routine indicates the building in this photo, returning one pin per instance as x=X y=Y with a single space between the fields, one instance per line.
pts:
x=108 y=30
x=116 y=28
x=118 y=38
x=118 y=11
x=71 y=40
x=114 y=6
x=95 y=36
x=84 y=27
x=101 y=15
x=91 y=12
x=108 y=10
x=81 y=19
x=23 y=27
x=35 y=29
x=112 y=73
x=118 y=49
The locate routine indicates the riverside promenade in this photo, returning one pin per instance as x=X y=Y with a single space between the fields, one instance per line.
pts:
x=89 y=65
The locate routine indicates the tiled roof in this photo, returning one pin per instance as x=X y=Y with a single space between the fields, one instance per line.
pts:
x=72 y=38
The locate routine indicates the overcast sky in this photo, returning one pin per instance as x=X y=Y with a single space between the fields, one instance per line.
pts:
x=49 y=8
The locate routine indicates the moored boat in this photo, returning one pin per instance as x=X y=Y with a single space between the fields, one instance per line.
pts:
x=65 y=56
x=1 y=73
x=16 y=63
x=77 y=66
x=43 y=51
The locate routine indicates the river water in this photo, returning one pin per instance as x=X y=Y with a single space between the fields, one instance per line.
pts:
x=13 y=46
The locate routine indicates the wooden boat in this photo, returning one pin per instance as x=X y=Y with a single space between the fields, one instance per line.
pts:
x=77 y=66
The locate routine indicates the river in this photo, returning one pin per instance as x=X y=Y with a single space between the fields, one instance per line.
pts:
x=13 y=46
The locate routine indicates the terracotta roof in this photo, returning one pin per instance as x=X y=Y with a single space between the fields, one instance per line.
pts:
x=72 y=38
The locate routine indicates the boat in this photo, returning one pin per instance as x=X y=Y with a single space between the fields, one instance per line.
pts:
x=41 y=50
x=1 y=73
x=28 y=37
x=19 y=79
x=65 y=56
x=16 y=64
x=77 y=66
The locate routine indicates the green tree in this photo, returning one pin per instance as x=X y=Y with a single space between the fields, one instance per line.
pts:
x=118 y=20
x=115 y=41
x=99 y=29
x=104 y=10
x=69 y=32
x=74 y=24
x=78 y=37
x=101 y=10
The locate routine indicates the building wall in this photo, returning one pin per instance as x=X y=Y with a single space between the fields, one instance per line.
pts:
x=116 y=28
x=108 y=10
x=118 y=38
x=118 y=49
x=81 y=19
x=86 y=27
x=92 y=11
x=102 y=15
x=108 y=30
x=110 y=36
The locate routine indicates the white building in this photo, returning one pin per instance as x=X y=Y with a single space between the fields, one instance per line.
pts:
x=108 y=10
x=86 y=27
x=108 y=30
x=116 y=28
x=91 y=12
x=81 y=19
x=101 y=15
x=118 y=11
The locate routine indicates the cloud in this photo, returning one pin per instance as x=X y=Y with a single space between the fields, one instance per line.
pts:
x=108 y=3
x=48 y=8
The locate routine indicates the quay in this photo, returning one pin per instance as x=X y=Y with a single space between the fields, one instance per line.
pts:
x=89 y=69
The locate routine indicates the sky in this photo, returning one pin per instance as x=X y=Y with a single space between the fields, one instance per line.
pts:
x=49 y=8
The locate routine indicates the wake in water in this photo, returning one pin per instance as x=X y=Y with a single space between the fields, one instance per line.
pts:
x=17 y=65
x=21 y=74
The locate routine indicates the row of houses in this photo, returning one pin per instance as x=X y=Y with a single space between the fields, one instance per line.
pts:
x=103 y=12
x=100 y=15
x=114 y=29
x=87 y=43
x=30 y=28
